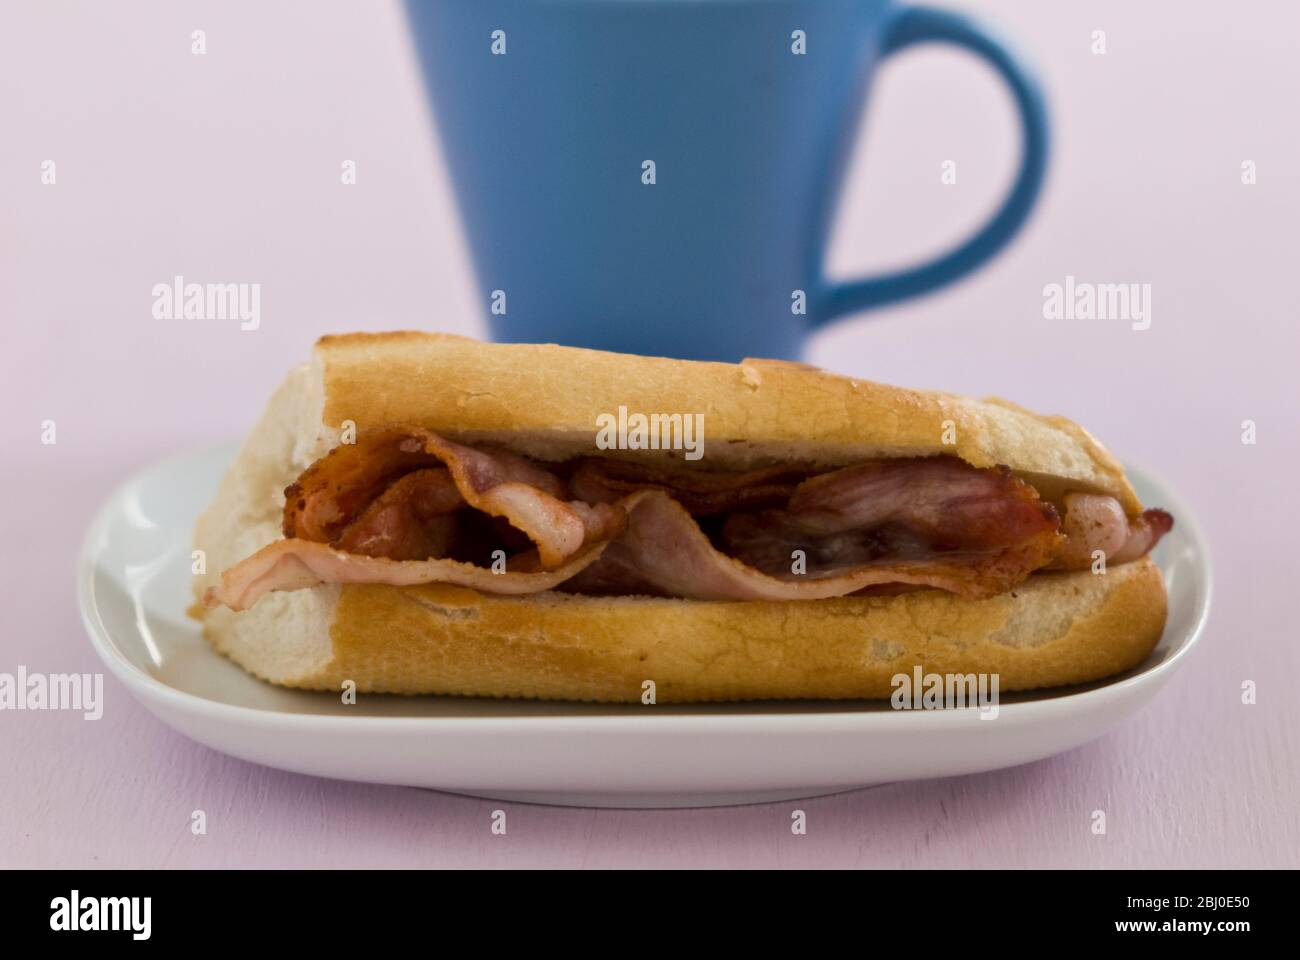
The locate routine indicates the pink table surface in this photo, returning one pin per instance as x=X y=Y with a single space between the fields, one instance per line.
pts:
x=226 y=166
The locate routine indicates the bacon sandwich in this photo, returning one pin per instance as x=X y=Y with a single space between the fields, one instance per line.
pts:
x=427 y=514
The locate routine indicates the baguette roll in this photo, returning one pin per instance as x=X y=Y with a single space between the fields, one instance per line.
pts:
x=543 y=402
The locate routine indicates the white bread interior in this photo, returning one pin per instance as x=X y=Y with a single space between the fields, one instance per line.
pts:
x=543 y=400
x=287 y=634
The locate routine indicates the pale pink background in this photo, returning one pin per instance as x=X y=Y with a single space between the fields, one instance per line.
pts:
x=226 y=167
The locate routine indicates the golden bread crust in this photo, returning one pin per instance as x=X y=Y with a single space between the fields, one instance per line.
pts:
x=544 y=399
x=1055 y=629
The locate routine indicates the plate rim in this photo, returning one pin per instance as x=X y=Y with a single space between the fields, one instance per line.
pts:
x=156 y=691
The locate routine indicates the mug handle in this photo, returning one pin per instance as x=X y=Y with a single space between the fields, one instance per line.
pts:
x=909 y=26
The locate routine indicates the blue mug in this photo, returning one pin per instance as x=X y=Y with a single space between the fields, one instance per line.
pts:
x=658 y=176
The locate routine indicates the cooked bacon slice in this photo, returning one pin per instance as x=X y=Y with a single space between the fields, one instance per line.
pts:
x=336 y=490
x=702 y=493
x=478 y=472
x=664 y=552
x=1144 y=533
x=1094 y=522
x=603 y=521
x=942 y=499
x=414 y=519
x=297 y=564
x=395 y=508
x=896 y=510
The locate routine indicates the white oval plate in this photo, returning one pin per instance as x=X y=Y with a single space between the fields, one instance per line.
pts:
x=133 y=584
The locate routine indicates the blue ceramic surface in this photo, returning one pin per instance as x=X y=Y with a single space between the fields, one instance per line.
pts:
x=549 y=110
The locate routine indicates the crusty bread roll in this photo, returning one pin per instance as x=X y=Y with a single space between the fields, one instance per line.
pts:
x=1056 y=628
